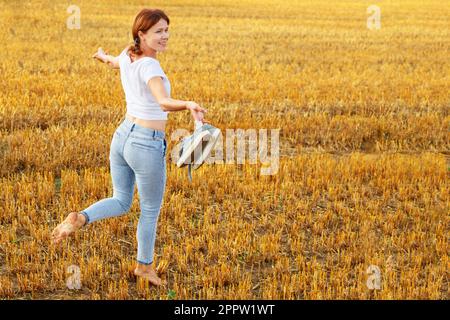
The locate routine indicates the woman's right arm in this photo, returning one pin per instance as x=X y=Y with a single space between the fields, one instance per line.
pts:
x=168 y=104
x=112 y=61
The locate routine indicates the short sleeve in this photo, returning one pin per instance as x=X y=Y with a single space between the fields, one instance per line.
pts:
x=150 y=69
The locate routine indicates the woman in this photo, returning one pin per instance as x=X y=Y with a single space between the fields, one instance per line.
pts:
x=138 y=147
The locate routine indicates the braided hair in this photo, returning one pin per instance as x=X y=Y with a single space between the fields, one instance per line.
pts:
x=137 y=45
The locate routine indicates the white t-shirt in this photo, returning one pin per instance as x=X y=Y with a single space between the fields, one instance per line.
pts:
x=135 y=76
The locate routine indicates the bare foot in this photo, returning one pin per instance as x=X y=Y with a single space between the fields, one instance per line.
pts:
x=149 y=274
x=73 y=222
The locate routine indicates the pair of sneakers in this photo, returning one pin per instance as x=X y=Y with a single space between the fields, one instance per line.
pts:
x=196 y=148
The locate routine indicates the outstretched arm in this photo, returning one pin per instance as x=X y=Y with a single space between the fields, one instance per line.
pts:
x=112 y=61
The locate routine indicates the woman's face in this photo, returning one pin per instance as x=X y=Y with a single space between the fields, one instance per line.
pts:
x=157 y=36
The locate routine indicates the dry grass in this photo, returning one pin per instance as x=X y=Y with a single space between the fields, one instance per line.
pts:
x=363 y=178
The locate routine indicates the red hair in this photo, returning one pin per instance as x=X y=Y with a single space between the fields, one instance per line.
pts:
x=144 y=20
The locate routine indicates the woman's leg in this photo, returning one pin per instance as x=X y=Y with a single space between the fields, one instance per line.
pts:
x=147 y=159
x=123 y=180
x=151 y=191
x=123 y=186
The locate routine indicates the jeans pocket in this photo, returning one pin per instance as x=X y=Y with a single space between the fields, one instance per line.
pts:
x=149 y=145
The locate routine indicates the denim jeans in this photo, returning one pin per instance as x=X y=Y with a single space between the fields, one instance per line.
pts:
x=137 y=154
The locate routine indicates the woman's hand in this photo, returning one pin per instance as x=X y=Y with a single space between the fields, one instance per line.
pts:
x=100 y=55
x=196 y=111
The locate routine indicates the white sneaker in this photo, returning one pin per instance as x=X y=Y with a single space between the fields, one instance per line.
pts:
x=188 y=145
x=208 y=143
x=196 y=148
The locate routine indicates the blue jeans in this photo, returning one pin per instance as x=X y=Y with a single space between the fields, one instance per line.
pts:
x=136 y=154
